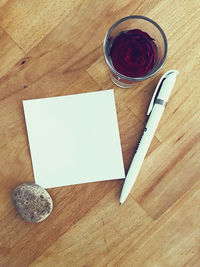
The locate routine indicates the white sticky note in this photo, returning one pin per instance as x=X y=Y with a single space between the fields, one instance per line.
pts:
x=74 y=139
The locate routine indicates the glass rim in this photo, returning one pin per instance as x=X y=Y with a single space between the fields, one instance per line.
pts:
x=159 y=65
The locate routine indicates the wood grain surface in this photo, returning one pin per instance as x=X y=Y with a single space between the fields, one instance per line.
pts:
x=53 y=48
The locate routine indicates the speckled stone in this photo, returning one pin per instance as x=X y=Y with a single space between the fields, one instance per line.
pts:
x=32 y=202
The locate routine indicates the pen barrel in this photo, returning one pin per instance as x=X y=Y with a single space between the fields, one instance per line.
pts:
x=142 y=149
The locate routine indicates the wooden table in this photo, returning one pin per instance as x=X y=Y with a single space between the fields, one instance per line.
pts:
x=52 y=48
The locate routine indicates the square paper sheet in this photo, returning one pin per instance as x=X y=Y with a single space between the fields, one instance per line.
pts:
x=74 y=139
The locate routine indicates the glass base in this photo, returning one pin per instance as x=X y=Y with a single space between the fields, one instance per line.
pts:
x=119 y=83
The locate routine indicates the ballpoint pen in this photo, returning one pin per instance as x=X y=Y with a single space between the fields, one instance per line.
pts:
x=155 y=111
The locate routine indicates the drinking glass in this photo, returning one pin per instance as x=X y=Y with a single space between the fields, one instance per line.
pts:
x=145 y=25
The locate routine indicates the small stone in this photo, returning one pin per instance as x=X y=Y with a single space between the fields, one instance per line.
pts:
x=33 y=203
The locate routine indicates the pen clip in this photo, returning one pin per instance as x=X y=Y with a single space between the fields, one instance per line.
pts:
x=155 y=94
x=157 y=90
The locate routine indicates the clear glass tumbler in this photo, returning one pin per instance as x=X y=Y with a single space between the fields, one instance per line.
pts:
x=145 y=25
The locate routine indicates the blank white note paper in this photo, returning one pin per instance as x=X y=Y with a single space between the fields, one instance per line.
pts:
x=74 y=139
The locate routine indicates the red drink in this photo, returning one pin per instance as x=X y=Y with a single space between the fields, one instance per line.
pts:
x=133 y=53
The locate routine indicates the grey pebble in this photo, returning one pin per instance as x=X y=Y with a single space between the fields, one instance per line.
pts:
x=33 y=203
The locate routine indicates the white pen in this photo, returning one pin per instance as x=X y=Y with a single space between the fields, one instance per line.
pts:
x=155 y=111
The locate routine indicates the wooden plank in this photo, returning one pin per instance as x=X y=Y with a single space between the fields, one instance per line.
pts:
x=2 y=2
x=10 y=53
x=174 y=238
x=28 y=22
x=101 y=237
x=161 y=185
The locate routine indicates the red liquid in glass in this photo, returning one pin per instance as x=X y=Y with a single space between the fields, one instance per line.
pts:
x=133 y=53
